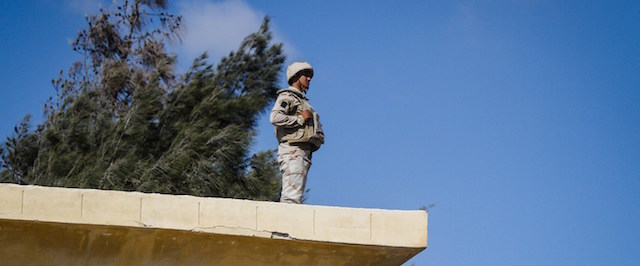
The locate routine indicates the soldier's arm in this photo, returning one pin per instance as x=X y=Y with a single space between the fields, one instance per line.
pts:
x=280 y=113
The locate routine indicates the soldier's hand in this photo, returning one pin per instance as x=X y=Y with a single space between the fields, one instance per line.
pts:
x=306 y=115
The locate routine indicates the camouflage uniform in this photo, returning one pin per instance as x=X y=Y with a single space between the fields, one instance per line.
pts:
x=297 y=141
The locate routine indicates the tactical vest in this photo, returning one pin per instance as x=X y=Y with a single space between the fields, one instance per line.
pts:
x=311 y=132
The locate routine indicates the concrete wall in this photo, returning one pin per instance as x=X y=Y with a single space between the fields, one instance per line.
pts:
x=119 y=228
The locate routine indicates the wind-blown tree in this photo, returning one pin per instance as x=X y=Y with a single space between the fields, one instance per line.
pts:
x=123 y=119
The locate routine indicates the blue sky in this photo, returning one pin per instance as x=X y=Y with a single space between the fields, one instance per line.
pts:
x=518 y=120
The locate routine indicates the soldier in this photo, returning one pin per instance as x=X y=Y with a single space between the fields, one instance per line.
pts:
x=298 y=131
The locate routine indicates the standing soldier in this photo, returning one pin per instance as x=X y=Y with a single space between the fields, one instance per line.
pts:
x=298 y=131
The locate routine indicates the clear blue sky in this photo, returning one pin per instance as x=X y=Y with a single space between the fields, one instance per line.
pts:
x=519 y=120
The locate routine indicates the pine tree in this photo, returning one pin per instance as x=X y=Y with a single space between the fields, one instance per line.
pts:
x=123 y=119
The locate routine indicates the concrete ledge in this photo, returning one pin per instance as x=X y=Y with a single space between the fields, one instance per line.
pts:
x=134 y=211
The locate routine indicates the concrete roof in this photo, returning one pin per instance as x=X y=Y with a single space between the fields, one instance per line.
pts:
x=124 y=228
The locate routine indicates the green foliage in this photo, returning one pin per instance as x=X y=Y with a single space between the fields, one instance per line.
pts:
x=123 y=119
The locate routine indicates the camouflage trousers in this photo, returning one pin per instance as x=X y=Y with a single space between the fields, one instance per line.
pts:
x=295 y=162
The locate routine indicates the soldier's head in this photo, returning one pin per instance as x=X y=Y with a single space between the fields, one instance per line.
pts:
x=299 y=75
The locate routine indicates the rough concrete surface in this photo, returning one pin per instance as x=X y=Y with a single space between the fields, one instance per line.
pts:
x=62 y=226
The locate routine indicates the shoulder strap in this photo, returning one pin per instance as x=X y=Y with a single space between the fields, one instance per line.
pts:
x=298 y=96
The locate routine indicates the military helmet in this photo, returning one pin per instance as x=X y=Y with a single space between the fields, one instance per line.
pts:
x=295 y=68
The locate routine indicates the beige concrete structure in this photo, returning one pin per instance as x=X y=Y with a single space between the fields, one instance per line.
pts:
x=60 y=226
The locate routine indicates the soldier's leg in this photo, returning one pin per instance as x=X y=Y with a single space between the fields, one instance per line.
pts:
x=294 y=168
